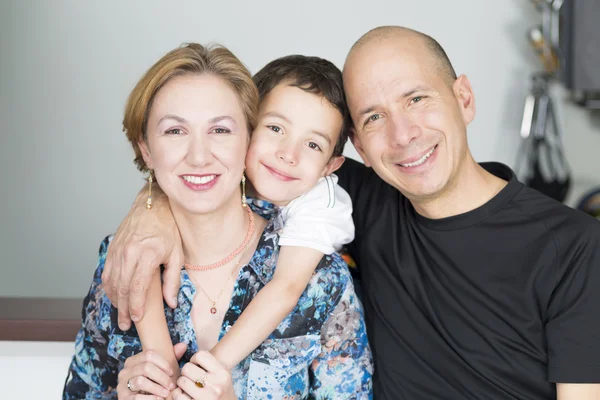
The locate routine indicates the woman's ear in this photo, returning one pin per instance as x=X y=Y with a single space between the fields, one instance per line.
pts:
x=145 y=153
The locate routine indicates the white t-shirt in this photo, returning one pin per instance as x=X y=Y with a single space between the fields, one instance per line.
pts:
x=320 y=219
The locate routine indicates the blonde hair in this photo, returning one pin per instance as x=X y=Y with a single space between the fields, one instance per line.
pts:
x=190 y=59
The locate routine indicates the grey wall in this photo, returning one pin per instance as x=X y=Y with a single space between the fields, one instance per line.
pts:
x=66 y=68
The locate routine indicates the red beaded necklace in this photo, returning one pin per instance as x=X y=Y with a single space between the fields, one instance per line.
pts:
x=234 y=253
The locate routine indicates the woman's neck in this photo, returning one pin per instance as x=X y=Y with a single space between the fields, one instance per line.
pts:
x=209 y=238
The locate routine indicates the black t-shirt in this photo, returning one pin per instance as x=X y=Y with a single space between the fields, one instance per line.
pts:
x=496 y=303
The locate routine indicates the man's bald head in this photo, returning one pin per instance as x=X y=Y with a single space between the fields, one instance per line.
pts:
x=384 y=33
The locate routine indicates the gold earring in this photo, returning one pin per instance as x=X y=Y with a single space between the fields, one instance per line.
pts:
x=244 y=201
x=149 y=201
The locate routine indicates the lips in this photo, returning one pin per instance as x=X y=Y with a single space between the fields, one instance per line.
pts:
x=200 y=182
x=279 y=174
x=418 y=160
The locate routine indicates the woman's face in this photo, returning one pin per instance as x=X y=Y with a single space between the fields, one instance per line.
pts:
x=196 y=143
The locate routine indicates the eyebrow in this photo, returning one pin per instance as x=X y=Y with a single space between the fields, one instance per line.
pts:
x=283 y=117
x=172 y=116
x=321 y=134
x=408 y=93
x=277 y=115
x=183 y=120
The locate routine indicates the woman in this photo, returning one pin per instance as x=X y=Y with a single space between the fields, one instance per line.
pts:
x=188 y=120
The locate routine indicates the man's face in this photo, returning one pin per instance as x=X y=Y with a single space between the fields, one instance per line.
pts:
x=410 y=121
x=292 y=144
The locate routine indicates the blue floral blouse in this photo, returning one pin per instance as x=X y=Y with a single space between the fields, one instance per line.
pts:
x=320 y=351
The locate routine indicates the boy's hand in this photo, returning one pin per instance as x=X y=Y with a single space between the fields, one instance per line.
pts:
x=145 y=240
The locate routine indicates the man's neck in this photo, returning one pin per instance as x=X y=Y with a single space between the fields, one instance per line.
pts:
x=209 y=238
x=471 y=188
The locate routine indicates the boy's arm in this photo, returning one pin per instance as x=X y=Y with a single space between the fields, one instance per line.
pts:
x=152 y=328
x=295 y=267
x=145 y=240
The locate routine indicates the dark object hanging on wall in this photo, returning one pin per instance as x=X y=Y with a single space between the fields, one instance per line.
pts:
x=541 y=162
x=579 y=43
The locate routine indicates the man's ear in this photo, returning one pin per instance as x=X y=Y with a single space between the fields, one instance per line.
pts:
x=358 y=146
x=333 y=165
x=145 y=153
x=465 y=97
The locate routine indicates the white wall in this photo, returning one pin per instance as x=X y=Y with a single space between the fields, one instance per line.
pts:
x=35 y=370
x=66 y=68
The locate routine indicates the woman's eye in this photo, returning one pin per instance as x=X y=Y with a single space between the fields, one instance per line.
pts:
x=314 y=146
x=274 y=128
x=417 y=99
x=175 y=131
x=221 y=130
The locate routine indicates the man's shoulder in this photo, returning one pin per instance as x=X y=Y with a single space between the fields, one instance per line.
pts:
x=567 y=224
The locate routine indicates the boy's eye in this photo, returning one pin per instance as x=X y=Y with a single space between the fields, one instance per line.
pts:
x=314 y=146
x=174 y=131
x=372 y=118
x=274 y=128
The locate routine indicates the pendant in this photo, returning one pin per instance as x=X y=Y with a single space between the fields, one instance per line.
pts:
x=213 y=310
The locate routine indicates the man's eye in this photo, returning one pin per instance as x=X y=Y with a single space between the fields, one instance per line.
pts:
x=314 y=146
x=175 y=131
x=372 y=118
x=417 y=99
x=274 y=128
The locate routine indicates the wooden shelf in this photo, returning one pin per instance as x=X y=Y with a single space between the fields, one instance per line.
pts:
x=39 y=319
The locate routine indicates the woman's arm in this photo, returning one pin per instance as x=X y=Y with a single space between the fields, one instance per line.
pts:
x=153 y=330
x=344 y=368
x=295 y=267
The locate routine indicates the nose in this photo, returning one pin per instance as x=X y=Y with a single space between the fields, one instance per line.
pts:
x=287 y=151
x=402 y=130
x=199 y=152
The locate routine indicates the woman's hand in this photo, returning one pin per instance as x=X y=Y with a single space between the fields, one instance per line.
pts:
x=146 y=375
x=204 y=378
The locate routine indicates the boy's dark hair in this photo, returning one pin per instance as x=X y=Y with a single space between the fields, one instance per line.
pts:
x=314 y=75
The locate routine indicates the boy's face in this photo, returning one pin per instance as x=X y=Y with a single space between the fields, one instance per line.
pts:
x=292 y=144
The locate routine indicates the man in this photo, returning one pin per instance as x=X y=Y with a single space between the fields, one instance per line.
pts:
x=475 y=286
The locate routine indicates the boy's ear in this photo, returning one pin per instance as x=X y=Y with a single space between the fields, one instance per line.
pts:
x=333 y=165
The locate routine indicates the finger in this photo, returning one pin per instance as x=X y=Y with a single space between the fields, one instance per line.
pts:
x=154 y=358
x=179 y=349
x=128 y=267
x=106 y=273
x=143 y=384
x=155 y=375
x=140 y=283
x=178 y=394
x=195 y=373
x=207 y=361
x=171 y=278
x=189 y=388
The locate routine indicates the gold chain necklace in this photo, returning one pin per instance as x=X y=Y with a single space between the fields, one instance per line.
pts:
x=213 y=308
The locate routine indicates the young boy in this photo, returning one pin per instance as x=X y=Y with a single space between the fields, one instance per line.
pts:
x=294 y=150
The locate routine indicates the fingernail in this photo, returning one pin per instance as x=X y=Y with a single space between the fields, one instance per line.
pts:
x=174 y=300
x=135 y=318
x=123 y=326
x=171 y=386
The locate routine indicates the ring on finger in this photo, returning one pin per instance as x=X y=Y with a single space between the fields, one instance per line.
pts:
x=201 y=382
x=131 y=387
